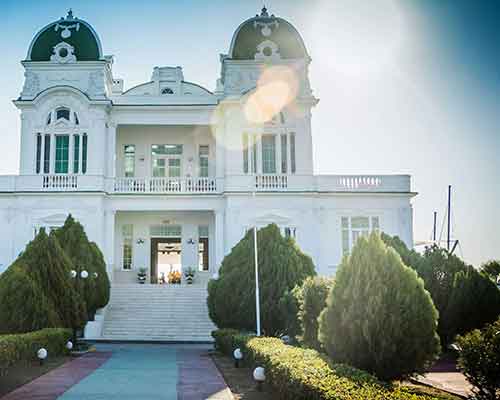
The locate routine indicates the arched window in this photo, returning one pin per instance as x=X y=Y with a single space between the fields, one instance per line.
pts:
x=167 y=91
x=62 y=112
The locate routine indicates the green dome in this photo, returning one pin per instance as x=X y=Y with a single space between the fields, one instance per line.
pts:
x=266 y=28
x=71 y=31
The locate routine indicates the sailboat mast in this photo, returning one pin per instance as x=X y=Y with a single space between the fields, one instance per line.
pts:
x=449 y=219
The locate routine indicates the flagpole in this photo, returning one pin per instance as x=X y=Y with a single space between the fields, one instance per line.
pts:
x=257 y=294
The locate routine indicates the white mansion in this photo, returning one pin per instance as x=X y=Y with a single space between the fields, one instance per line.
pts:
x=168 y=175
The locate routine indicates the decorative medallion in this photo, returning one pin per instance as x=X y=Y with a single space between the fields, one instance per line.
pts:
x=266 y=27
x=66 y=29
x=63 y=53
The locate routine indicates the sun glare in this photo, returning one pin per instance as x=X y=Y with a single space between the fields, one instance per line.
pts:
x=356 y=37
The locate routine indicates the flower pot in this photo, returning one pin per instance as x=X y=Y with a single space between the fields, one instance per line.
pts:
x=189 y=279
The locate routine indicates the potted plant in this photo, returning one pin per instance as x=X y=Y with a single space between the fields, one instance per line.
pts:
x=142 y=275
x=174 y=277
x=189 y=275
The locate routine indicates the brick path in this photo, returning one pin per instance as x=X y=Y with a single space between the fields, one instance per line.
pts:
x=131 y=372
x=54 y=383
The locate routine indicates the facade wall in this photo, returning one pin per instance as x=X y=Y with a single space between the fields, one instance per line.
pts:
x=21 y=216
x=143 y=136
x=142 y=222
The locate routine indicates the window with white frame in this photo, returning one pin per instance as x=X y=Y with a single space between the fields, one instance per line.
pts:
x=166 y=159
x=203 y=152
x=355 y=226
x=129 y=160
x=290 y=232
x=127 y=246
x=269 y=154
x=59 y=152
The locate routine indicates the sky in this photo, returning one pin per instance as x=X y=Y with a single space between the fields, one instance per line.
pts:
x=408 y=87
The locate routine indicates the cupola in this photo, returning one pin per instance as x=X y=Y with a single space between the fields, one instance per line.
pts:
x=266 y=37
x=66 y=40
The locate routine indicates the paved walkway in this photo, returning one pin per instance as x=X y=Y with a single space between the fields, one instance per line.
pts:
x=444 y=375
x=131 y=371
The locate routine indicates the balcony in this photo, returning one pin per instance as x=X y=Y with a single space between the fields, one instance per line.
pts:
x=211 y=185
x=167 y=185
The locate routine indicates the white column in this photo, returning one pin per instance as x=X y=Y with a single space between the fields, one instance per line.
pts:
x=288 y=155
x=111 y=150
x=278 y=153
x=28 y=145
x=52 y=169
x=258 y=139
x=220 y=154
x=109 y=241
x=71 y=150
x=80 y=155
x=219 y=238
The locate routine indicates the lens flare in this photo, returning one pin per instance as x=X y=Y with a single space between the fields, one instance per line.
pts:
x=276 y=88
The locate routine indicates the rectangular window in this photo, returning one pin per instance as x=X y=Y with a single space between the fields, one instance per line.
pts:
x=292 y=153
x=254 y=154
x=203 y=155
x=354 y=227
x=174 y=167
x=290 y=232
x=62 y=154
x=245 y=153
x=76 y=154
x=268 y=154
x=46 y=155
x=127 y=251
x=84 y=153
x=38 y=152
x=166 y=149
x=284 y=160
x=159 y=167
x=129 y=160
x=203 y=248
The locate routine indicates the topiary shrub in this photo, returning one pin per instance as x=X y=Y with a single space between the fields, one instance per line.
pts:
x=23 y=347
x=313 y=294
x=85 y=256
x=36 y=291
x=465 y=298
x=379 y=317
x=479 y=360
x=282 y=265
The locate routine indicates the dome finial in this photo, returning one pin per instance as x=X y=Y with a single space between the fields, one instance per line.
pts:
x=263 y=12
x=70 y=14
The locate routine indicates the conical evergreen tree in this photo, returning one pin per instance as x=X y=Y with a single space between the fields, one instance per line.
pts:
x=85 y=256
x=282 y=266
x=379 y=317
x=42 y=275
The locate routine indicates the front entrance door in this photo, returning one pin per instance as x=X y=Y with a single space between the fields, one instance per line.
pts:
x=166 y=260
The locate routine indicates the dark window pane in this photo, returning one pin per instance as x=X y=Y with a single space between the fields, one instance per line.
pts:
x=38 y=152
x=62 y=112
x=46 y=155
x=292 y=152
x=76 y=154
x=84 y=154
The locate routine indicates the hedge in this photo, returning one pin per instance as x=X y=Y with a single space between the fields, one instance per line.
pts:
x=24 y=346
x=297 y=374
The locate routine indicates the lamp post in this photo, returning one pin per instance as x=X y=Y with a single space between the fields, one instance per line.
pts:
x=77 y=276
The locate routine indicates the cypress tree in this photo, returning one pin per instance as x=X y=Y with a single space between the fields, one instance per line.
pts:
x=379 y=317
x=85 y=256
x=282 y=265
x=36 y=291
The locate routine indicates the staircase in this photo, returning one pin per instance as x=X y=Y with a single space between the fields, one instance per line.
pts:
x=158 y=313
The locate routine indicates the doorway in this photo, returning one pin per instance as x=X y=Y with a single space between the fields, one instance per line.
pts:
x=166 y=264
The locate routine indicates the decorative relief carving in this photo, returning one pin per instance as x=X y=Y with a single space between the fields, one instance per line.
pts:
x=267 y=50
x=266 y=27
x=63 y=53
x=96 y=84
x=31 y=84
x=240 y=81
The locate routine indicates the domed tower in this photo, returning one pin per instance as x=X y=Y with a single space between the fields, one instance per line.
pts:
x=265 y=74
x=64 y=101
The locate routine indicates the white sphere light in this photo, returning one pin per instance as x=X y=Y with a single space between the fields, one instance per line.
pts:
x=238 y=355
x=73 y=273
x=84 y=274
x=285 y=339
x=96 y=274
x=69 y=345
x=259 y=374
x=42 y=354
x=215 y=276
